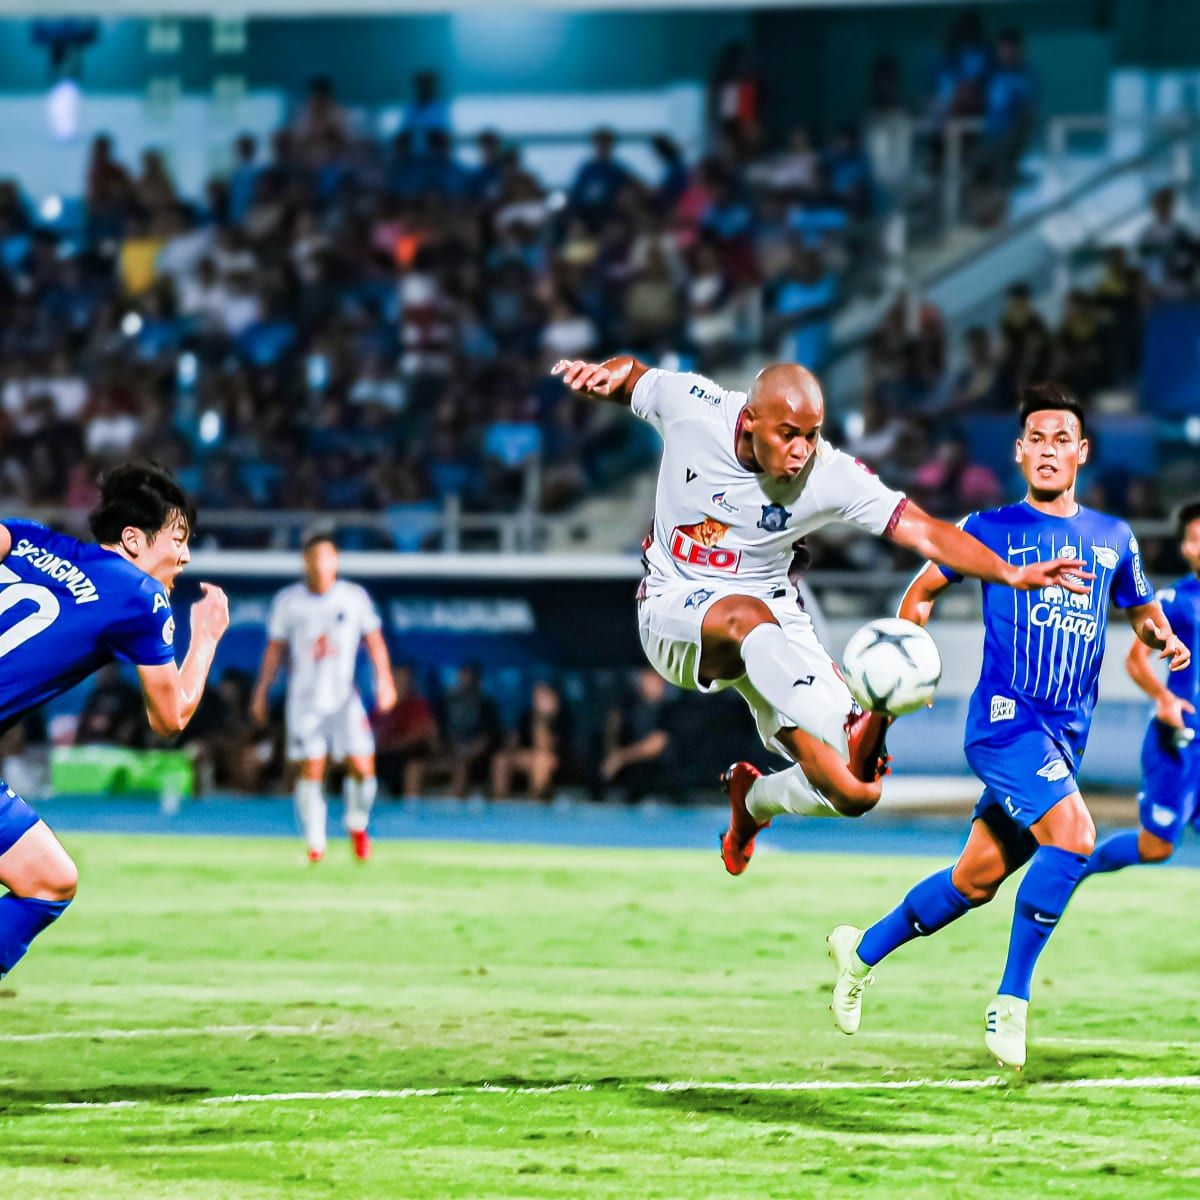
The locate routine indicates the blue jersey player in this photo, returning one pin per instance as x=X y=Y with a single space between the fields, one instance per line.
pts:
x=1170 y=792
x=1028 y=720
x=68 y=607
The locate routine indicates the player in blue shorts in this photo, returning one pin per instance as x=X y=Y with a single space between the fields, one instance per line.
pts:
x=1027 y=722
x=66 y=609
x=1167 y=802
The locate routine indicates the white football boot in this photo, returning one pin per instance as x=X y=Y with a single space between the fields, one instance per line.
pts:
x=1005 y=1030
x=852 y=977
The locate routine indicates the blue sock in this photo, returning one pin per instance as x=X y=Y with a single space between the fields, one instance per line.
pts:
x=931 y=905
x=1052 y=876
x=1114 y=853
x=21 y=920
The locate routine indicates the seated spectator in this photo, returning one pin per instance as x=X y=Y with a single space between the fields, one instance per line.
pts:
x=471 y=727
x=638 y=760
x=1119 y=296
x=154 y=189
x=320 y=117
x=1025 y=341
x=1168 y=250
x=848 y=171
x=977 y=386
x=406 y=738
x=1010 y=102
x=674 y=178
x=428 y=113
x=537 y=749
x=1082 y=355
x=243 y=179
x=711 y=310
x=113 y=713
x=599 y=181
x=652 y=303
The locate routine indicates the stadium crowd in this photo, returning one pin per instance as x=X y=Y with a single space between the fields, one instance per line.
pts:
x=343 y=324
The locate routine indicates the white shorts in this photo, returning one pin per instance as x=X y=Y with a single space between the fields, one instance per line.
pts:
x=341 y=734
x=669 y=621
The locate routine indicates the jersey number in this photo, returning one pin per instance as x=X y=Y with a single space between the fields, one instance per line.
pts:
x=12 y=592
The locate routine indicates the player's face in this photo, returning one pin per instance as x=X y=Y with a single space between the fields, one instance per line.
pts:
x=320 y=566
x=1189 y=547
x=166 y=556
x=784 y=444
x=1050 y=452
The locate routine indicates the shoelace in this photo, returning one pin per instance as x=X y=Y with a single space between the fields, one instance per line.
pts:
x=857 y=989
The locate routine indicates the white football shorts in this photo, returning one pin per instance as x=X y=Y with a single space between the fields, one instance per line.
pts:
x=338 y=735
x=669 y=621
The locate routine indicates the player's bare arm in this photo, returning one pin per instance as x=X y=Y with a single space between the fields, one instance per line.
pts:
x=172 y=693
x=272 y=661
x=381 y=664
x=921 y=595
x=612 y=380
x=943 y=543
x=5 y=542
x=1154 y=632
x=1168 y=707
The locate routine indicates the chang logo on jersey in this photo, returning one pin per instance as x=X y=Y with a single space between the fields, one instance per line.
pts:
x=697 y=545
x=1068 y=612
x=59 y=569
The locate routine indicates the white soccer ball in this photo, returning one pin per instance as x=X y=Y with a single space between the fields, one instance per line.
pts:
x=892 y=666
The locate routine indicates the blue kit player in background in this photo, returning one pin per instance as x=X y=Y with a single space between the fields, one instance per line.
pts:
x=1028 y=719
x=66 y=609
x=1167 y=802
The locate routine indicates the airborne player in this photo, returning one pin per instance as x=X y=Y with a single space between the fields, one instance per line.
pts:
x=743 y=477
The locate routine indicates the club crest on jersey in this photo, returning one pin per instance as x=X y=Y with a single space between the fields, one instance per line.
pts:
x=697 y=545
x=697 y=598
x=774 y=518
x=1055 y=770
x=718 y=498
x=1105 y=557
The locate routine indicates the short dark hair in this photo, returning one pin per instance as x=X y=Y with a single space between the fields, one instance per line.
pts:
x=141 y=494
x=1187 y=514
x=1041 y=397
x=314 y=537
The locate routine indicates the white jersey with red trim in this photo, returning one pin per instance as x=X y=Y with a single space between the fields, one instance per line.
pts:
x=716 y=521
x=323 y=632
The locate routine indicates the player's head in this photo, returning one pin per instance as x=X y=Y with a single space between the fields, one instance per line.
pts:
x=320 y=561
x=1053 y=444
x=1187 y=525
x=144 y=515
x=782 y=420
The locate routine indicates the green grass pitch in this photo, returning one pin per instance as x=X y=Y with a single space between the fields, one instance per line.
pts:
x=198 y=969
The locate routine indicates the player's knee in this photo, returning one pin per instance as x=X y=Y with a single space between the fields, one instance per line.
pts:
x=853 y=803
x=977 y=892
x=58 y=880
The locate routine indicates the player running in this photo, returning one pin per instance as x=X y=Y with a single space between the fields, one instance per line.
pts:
x=1167 y=802
x=318 y=626
x=1028 y=720
x=66 y=609
x=743 y=478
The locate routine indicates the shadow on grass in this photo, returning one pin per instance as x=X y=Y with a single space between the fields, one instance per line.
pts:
x=18 y=1101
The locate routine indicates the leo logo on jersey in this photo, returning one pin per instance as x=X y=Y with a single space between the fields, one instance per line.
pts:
x=697 y=545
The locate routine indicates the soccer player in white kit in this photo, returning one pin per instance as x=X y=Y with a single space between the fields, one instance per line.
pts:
x=318 y=626
x=743 y=477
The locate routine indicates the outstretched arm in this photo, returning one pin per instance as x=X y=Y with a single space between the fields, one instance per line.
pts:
x=917 y=604
x=173 y=693
x=612 y=380
x=964 y=554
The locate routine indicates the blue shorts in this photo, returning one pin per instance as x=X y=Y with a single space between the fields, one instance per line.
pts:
x=16 y=818
x=1170 y=783
x=1024 y=777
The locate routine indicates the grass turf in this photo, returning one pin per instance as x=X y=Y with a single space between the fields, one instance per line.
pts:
x=457 y=966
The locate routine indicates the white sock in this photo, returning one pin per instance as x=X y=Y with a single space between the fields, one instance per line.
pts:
x=786 y=792
x=359 y=795
x=773 y=667
x=310 y=812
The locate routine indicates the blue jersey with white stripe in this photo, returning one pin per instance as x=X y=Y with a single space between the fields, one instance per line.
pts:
x=1042 y=649
x=1181 y=606
x=66 y=609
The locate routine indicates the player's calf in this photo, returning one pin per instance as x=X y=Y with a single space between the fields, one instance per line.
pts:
x=41 y=879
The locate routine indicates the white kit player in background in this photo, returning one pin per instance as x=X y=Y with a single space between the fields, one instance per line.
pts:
x=318 y=626
x=744 y=477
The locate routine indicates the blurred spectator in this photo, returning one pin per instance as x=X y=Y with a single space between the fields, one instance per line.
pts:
x=1010 y=100
x=638 y=760
x=735 y=98
x=320 y=121
x=427 y=113
x=599 y=181
x=537 y=749
x=471 y=729
x=113 y=713
x=405 y=738
x=1168 y=249
x=977 y=385
x=1025 y=353
x=1082 y=349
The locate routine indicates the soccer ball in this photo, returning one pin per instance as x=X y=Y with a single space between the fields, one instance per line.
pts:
x=892 y=666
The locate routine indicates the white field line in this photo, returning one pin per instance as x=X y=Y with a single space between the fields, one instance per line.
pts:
x=1131 y=1083
x=318 y=1028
